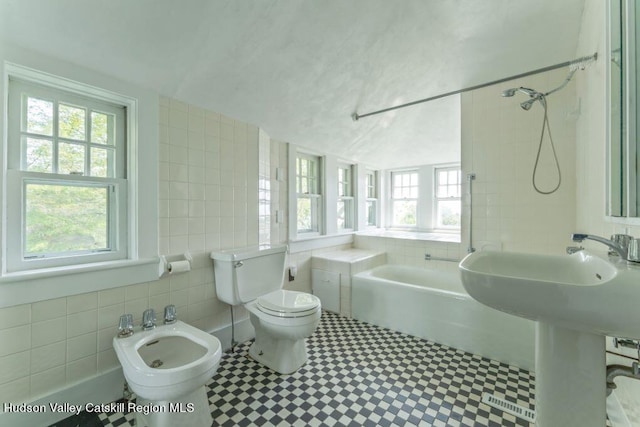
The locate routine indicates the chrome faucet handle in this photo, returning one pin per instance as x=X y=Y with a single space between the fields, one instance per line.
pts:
x=148 y=319
x=623 y=240
x=125 y=326
x=170 y=314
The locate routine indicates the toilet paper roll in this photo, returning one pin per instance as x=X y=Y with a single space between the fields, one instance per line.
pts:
x=179 y=266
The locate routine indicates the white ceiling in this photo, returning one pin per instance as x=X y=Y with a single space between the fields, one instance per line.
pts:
x=299 y=68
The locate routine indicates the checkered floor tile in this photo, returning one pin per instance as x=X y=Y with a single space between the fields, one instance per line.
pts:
x=362 y=375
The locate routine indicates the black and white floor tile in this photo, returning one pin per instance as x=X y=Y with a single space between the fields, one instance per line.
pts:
x=363 y=375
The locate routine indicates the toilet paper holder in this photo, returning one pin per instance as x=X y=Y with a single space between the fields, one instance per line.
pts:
x=174 y=264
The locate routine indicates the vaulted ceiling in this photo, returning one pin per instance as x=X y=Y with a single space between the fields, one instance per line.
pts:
x=299 y=68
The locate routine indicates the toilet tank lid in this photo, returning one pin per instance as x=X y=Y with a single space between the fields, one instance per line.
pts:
x=238 y=254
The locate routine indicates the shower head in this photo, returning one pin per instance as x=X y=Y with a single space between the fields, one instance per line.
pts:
x=510 y=92
x=526 y=105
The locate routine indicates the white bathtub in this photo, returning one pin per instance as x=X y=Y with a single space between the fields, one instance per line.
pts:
x=433 y=305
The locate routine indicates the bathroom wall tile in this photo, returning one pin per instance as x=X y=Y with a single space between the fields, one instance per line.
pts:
x=49 y=309
x=48 y=356
x=104 y=338
x=16 y=391
x=178 y=119
x=178 y=137
x=179 y=281
x=107 y=360
x=14 y=340
x=17 y=315
x=47 y=381
x=81 y=346
x=82 y=302
x=178 y=190
x=158 y=303
x=81 y=369
x=159 y=287
x=136 y=307
x=140 y=290
x=14 y=366
x=48 y=331
x=178 y=209
x=82 y=323
x=110 y=316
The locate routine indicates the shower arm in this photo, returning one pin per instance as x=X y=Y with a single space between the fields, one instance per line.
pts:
x=566 y=82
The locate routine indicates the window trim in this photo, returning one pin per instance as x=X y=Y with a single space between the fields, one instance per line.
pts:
x=318 y=195
x=437 y=200
x=349 y=199
x=15 y=179
x=374 y=200
x=392 y=199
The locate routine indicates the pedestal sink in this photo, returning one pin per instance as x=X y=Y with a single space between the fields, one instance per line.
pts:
x=577 y=300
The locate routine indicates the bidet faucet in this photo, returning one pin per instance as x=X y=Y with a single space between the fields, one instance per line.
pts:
x=170 y=314
x=576 y=237
x=148 y=319
x=125 y=327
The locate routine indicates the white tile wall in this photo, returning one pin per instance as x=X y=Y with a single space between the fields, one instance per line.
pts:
x=208 y=200
x=499 y=144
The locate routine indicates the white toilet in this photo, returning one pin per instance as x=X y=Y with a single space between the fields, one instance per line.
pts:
x=167 y=367
x=282 y=319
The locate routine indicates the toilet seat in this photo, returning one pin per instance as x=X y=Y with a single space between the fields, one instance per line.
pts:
x=288 y=304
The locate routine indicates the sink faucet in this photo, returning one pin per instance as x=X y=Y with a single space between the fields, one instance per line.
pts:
x=576 y=237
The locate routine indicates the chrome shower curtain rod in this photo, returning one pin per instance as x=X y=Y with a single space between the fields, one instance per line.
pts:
x=576 y=62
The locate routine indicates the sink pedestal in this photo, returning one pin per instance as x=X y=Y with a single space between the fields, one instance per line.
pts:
x=570 y=377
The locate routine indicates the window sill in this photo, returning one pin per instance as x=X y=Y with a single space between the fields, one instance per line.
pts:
x=38 y=285
x=308 y=243
x=436 y=236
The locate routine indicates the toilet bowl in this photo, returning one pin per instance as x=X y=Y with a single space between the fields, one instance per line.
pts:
x=167 y=368
x=282 y=319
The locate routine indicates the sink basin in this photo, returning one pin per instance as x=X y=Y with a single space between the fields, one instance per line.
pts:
x=576 y=300
x=580 y=291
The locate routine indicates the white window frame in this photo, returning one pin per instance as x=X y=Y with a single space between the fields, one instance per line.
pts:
x=17 y=179
x=437 y=200
x=393 y=200
x=346 y=196
x=371 y=197
x=46 y=86
x=315 y=195
x=142 y=263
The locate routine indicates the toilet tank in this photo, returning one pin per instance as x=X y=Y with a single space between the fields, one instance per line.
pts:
x=244 y=274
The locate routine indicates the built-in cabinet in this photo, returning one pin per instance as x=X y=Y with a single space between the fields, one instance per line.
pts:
x=331 y=275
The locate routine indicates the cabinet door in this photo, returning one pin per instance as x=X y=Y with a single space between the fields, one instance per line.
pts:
x=326 y=286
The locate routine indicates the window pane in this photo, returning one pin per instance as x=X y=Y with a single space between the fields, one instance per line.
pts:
x=102 y=162
x=37 y=155
x=100 y=128
x=307 y=214
x=71 y=122
x=371 y=212
x=449 y=213
x=62 y=218
x=71 y=159
x=39 y=116
x=341 y=215
x=404 y=212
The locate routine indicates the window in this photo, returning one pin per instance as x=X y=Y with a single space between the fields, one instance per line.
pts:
x=66 y=176
x=404 y=198
x=309 y=197
x=346 y=211
x=372 y=199
x=447 y=197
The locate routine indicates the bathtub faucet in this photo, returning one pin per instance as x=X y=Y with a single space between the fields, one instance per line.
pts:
x=576 y=237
